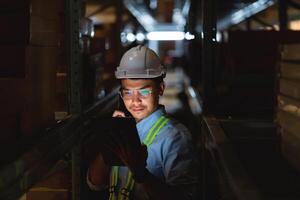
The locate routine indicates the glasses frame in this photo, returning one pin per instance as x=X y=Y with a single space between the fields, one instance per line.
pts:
x=138 y=92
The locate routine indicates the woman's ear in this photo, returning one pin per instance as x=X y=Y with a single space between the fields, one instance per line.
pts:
x=161 y=88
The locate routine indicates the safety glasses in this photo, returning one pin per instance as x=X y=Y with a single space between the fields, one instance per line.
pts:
x=129 y=94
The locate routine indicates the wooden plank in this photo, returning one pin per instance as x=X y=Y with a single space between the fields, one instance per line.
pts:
x=290 y=148
x=290 y=88
x=291 y=52
x=290 y=137
x=292 y=140
x=290 y=70
x=289 y=122
x=289 y=105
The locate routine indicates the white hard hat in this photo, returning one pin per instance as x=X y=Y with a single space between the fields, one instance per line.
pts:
x=140 y=62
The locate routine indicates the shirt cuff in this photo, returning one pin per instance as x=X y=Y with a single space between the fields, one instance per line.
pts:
x=91 y=185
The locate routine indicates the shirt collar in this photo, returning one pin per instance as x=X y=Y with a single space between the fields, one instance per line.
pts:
x=145 y=124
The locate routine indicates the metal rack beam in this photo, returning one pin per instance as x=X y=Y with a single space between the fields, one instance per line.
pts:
x=73 y=15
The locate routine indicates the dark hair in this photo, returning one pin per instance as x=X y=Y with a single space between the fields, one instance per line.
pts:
x=158 y=80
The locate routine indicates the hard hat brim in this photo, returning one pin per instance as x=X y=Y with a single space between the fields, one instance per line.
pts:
x=123 y=74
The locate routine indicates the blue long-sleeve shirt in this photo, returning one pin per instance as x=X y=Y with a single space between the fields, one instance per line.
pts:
x=171 y=157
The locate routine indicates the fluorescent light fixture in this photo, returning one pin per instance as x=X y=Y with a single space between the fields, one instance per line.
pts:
x=244 y=13
x=250 y=10
x=140 y=37
x=295 y=25
x=178 y=17
x=123 y=37
x=219 y=36
x=130 y=37
x=165 y=35
x=153 y=4
x=189 y=36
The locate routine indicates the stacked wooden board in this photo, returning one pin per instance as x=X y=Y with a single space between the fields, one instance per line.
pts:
x=31 y=51
x=289 y=102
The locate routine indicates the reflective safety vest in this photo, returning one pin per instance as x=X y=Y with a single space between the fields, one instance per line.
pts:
x=125 y=191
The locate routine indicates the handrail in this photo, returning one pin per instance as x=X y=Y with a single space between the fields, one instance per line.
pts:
x=49 y=155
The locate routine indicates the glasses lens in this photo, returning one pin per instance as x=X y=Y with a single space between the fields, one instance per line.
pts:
x=144 y=92
x=127 y=93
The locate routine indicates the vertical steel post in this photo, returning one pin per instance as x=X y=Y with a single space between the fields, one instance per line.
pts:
x=208 y=54
x=283 y=15
x=119 y=12
x=194 y=63
x=73 y=51
x=74 y=74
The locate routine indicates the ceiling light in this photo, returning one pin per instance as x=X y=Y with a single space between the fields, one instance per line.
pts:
x=189 y=36
x=130 y=37
x=165 y=35
x=140 y=37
